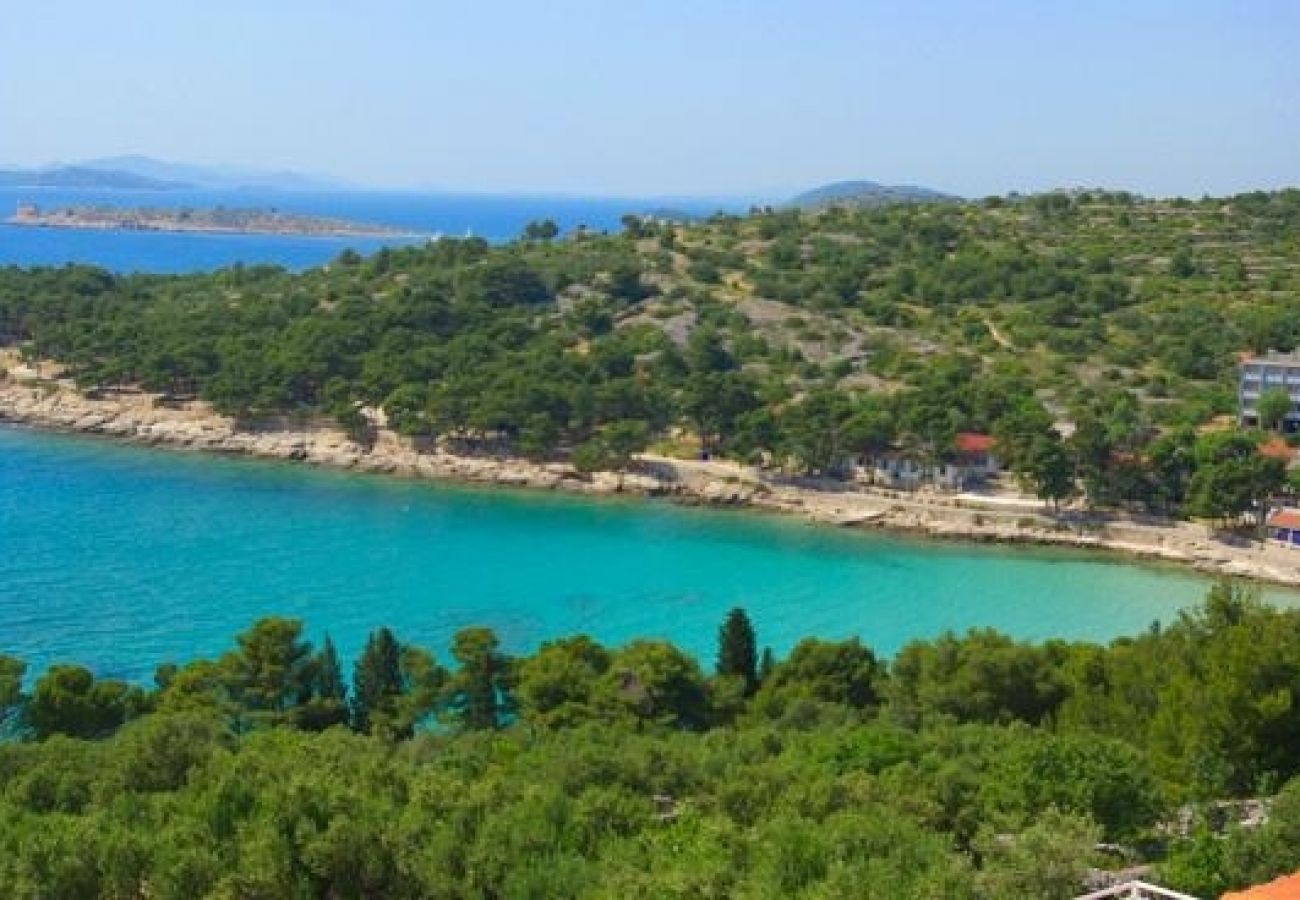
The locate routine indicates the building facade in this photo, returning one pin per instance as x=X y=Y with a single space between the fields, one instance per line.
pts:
x=1260 y=374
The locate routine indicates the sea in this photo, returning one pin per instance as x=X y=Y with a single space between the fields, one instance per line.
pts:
x=121 y=557
x=495 y=218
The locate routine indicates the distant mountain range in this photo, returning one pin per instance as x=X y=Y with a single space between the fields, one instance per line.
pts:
x=84 y=177
x=220 y=176
x=143 y=173
x=862 y=194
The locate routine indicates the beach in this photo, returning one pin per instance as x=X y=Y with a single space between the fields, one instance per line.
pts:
x=30 y=397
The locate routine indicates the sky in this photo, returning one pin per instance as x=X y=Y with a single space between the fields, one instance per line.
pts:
x=671 y=97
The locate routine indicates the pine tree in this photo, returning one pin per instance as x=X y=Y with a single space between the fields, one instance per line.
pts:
x=480 y=691
x=270 y=673
x=766 y=663
x=738 y=649
x=329 y=674
x=328 y=705
x=377 y=679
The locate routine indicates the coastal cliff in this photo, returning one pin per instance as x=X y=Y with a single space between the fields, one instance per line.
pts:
x=147 y=420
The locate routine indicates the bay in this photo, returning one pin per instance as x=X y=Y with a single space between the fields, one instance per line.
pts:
x=121 y=558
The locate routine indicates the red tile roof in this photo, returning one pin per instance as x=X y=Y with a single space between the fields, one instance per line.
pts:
x=1276 y=448
x=973 y=442
x=1284 y=888
x=1285 y=518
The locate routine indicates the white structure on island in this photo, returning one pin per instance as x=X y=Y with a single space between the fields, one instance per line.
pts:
x=1258 y=374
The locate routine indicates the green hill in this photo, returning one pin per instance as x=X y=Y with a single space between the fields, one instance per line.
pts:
x=803 y=339
x=866 y=194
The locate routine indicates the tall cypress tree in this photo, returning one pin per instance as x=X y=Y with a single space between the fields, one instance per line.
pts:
x=377 y=679
x=766 y=663
x=329 y=674
x=738 y=649
x=328 y=705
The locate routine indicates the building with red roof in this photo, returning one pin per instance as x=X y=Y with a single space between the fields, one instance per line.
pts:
x=974 y=443
x=1277 y=448
x=1285 y=888
x=972 y=462
x=1284 y=526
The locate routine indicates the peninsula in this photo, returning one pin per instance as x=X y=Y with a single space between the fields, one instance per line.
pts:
x=217 y=220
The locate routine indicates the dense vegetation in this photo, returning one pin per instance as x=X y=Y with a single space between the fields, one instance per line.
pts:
x=799 y=340
x=970 y=766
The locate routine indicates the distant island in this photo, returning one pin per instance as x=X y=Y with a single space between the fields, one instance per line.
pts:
x=219 y=220
x=867 y=194
x=86 y=177
x=144 y=173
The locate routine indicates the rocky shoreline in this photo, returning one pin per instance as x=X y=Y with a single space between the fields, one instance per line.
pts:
x=145 y=419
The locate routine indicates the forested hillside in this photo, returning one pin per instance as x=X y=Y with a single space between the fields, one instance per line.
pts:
x=970 y=766
x=799 y=340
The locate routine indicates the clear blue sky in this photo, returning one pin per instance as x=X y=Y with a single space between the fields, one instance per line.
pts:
x=669 y=97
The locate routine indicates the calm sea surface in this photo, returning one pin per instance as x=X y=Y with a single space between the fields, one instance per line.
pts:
x=123 y=557
x=495 y=218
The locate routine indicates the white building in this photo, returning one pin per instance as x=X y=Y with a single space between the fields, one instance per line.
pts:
x=1258 y=374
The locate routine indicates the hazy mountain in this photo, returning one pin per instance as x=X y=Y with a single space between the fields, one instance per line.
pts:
x=86 y=177
x=218 y=176
x=867 y=193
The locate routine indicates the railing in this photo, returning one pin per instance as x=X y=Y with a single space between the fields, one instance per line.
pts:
x=1136 y=890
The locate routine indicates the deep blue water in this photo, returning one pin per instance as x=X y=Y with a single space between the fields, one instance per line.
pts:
x=122 y=557
x=495 y=218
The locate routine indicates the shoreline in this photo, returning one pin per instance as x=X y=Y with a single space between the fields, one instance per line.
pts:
x=134 y=417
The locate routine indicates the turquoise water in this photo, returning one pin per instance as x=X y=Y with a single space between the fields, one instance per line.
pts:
x=122 y=558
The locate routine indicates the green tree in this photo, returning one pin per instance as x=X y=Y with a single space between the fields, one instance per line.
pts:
x=11 y=680
x=654 y=681
x=983 y=676
x=612 y=447
x=69 y=700
x=1232 y=478
x=504 y=281
x=329 y=702
x=1049 y=470
x=271 y=671
x=1273 y=406
x=541 y=230
x=1104 y=779
x=835 y=672
x=1046 y=861
x=480 y=692
x=559 y=684
x=814 y=431
x=11 y=686
x=376 y=679
x=738 y=650
x=714 y=403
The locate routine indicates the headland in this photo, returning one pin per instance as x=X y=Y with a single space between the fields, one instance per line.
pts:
x=216 y=220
